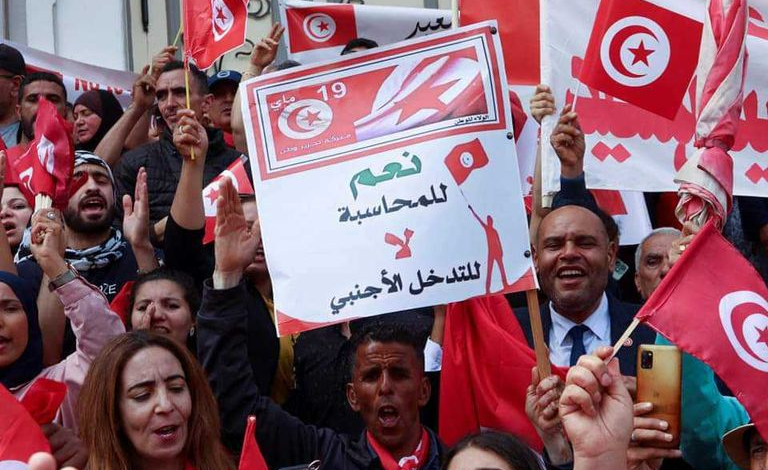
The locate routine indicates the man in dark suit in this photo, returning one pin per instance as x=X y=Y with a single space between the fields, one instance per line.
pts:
x=574 y=256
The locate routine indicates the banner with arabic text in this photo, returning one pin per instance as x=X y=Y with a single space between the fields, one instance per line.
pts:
x=387 y=180
x=78 y=77
x=319 y=31
x=628 y=147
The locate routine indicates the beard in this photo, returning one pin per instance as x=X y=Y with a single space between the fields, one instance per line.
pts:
x=78 y=224
x=28 y=129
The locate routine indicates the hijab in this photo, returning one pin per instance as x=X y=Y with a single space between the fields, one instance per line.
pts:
x=30 y=363
x=105 y=105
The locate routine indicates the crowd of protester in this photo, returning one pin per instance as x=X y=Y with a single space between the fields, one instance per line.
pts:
x=167 y=345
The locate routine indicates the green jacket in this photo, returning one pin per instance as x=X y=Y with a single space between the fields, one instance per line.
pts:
x=706 y=416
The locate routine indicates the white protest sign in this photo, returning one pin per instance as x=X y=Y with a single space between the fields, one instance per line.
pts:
x=387 y=180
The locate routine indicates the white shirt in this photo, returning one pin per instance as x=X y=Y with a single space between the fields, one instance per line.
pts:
x=598 y=333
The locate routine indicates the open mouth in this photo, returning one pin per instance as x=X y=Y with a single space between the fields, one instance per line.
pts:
x=167 y=433
x=388 y=416
x=570 y=273
x=95 y=204
x=163 y=330
x=9 y=226
x=4 y=341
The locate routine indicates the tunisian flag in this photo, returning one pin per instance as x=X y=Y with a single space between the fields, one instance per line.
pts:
x=466 y=158
x=212 y=28
x=46 y=166
x=486 y=370
x=722 y=319
x=20 y=435
x=643 y=54
x=239 y=176
x=250 y=455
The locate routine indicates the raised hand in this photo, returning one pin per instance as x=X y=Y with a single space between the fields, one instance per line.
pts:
x=48 y=241
x=143 y=93
x=596 y=411
x=265 y=51
x=190 y=134
x=648 y=432
x=542 y=103
x=136 y=218
x=568 y=141
x=235 y=242
x=160 y=59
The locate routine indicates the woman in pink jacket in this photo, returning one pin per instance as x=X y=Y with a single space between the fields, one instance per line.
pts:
x=21 y=348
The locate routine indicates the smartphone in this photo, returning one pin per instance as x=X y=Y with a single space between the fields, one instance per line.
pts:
x=659 y=375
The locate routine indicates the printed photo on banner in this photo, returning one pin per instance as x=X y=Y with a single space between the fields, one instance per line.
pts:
x=387 y=180
x=631 y=63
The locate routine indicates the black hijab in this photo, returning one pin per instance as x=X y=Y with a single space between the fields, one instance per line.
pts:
x=105 y=105
x=30 y=363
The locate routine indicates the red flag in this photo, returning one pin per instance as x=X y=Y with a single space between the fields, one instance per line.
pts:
x=519 y=32
x=46 y=166
x=486 y=370
x=325 y=26
x=43 y=399
x=610 y=201
x=465 y=158
x=239 y=176
x=212 y=28
x=714 y=305
x=20 y=436
x=250 y=456
x=643 y=54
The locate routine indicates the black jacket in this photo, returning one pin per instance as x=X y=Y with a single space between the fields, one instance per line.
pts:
x=284 y=440
x=621 y=316
x=163 y=165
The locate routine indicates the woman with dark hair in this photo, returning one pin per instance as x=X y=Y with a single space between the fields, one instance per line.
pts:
x=148 y=406
x=15 y=212
x=165 y=301
x=21 y=343
x=95 y=112
x=491 y=450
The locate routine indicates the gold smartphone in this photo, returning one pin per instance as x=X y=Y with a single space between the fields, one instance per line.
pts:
x=659 y=376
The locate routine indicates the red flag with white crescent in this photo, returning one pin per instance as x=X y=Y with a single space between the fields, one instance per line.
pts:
x=236 y=172
x=643 y=54
x=722 y=320
x=46 y=166
x=212 y=28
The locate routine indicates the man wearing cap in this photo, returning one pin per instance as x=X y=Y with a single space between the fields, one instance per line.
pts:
x=12 y=70
x=99 y=252
x=746 y=447
x=223 y=87
x=162 y=159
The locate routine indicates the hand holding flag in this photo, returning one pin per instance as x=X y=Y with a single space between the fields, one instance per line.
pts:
x=190 y=137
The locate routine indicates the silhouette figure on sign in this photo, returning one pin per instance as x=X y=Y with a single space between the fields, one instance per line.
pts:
x=495 y=251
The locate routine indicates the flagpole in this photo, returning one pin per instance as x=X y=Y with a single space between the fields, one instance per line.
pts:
x=539 y=346
x=186 y=88
x=178 y=34
x=454 y=14
x=623 y=339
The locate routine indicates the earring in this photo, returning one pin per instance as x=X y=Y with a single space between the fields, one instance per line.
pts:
x=192 y=331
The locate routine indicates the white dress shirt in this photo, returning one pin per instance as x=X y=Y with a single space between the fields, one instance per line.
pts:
x=598 y=333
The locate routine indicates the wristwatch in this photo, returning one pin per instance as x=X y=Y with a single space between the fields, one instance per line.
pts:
x=67 y=276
